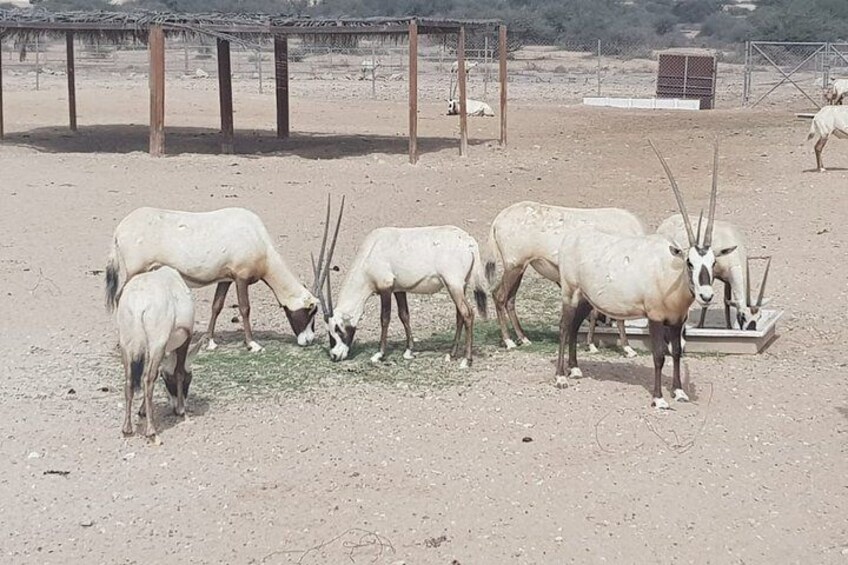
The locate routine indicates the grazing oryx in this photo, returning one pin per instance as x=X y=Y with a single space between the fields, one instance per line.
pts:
x=835 y=93
x=733 y=270
x=368 y=68
x=529 y=233
x=645 y=276
x=400 y=261
x=472 y=108
x=220 y=247
x=155 y=322
x=829 y=120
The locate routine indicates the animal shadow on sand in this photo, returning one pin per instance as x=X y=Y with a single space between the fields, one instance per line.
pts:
x=164 y=418
x=180 y=140
x=638 y=371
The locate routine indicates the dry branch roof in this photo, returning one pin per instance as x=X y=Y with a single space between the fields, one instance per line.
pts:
x=134 y=25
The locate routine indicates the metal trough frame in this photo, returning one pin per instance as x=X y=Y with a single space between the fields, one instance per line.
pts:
x=711 y=339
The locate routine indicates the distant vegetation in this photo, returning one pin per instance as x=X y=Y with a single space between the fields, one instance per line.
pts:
x=649 y=22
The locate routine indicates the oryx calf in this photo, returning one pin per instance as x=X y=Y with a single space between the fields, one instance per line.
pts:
x=407 y=260
x=224 y=246
x=529 y=234
x=830 y=120
x=155 y=323
x=643 y=276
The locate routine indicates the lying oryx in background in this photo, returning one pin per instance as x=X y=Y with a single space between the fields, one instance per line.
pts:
x=400 y=261
x=642 y=276
x=155 y=323
x=830 y=120
x=529 y=234
x=224 y=246
x=733 y=270
x=472 y=108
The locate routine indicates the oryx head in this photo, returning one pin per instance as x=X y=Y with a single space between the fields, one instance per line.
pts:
x=168 y=370
x=339 y=331
x=453 y=107
x=748 y=316
x=700 y=257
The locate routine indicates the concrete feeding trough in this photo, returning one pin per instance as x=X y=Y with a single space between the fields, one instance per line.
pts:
x=712 y=338
x=643 y=103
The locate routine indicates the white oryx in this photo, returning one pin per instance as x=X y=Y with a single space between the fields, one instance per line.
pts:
x=830 y=120
x=223 y=246
x=529 y=234
x=454 y=70
x=835 y=93
x=368 y=67
x=155 y=323
x=399 y=261
x=643 y=276
x=733 y=270
x=472 y=108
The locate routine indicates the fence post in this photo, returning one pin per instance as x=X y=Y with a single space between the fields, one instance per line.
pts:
x=599 y=67
x=485 y=66
x=259 y=66
x=37 y=65
x=373 y=69
x=828 y=56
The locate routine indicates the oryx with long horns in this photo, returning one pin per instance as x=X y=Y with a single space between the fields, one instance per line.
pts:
x=733 y=270
x=223 y=246
x=629 y=277
x=400 y=261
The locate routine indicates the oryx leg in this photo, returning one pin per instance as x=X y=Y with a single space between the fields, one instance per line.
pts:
x=385 y=318
x=703 y=318
x=727 y=299
x=456 y=336
x=403 y=314
x=151 y=371
x=180 y=376
x=217 y=305
x=511 y=276
x=819 y=148
x=676 y=351
x=464 y=319
x=657 y=330
x=244 y=310
x=128 y=397
x=625 y=343
x=569 y=325
x=590 y=335
x=513 y=316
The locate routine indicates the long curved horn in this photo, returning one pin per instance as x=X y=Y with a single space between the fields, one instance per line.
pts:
x=318 y=292
x=325 y=272
x=316 y=288
x=763 y=286
x=700 y=219
x=708 y=237
x=680 y=205
x=747 y=281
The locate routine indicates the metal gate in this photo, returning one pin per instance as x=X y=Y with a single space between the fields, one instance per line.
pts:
x=770 y=65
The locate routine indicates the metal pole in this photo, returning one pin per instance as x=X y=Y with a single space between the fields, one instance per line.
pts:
x=37 y=65
x=599 y=67
x=486 y=66
x=185 y=52
x=746 y=82
x=373 y=69
x=259 y=66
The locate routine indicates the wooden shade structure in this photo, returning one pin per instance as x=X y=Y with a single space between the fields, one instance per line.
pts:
x=153 y=28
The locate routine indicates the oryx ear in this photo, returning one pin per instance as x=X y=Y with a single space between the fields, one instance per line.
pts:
x=676 y=251
x=725 y=251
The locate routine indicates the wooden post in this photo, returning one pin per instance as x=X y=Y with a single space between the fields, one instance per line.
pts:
x=1 y=92
x=72 y=83
x=225 y=93
x=156 y=48
x=413 y=92
x=502 y=49
x=281 y=73
x=463 y=96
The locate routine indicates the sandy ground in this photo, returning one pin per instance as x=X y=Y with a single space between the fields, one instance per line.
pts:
x=752 y=471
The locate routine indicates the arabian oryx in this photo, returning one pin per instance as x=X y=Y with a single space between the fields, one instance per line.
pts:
x=644 y=276
x=835 y=93
x=529 y=233
x=732 y=269
x=224 y=246
x=472 y=108
x=155 y=322
x=406 y=260
x=830 y=120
